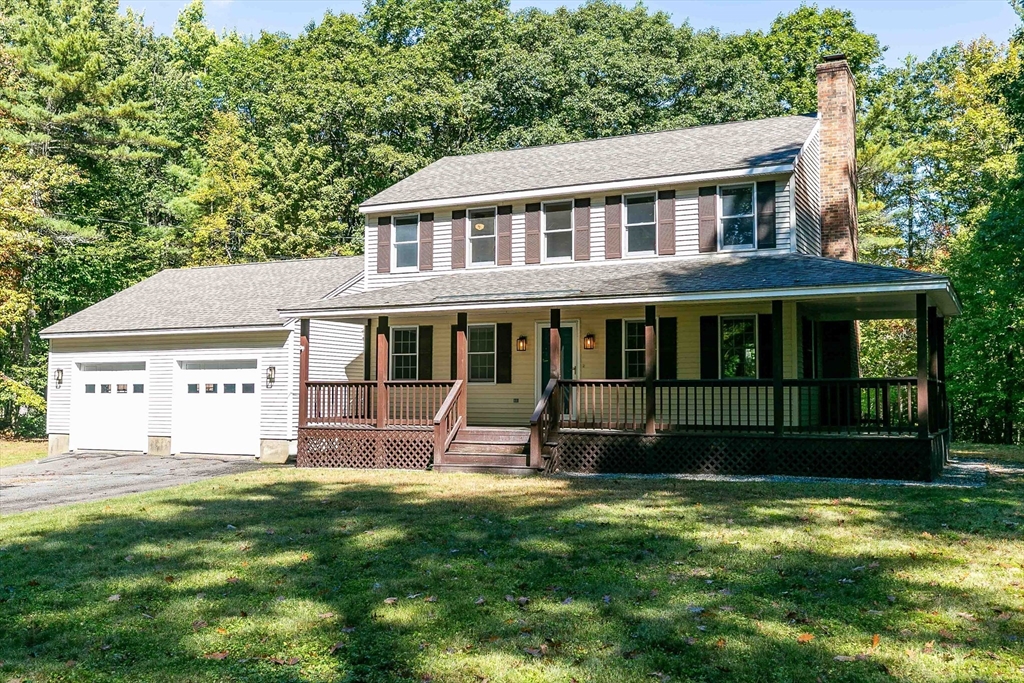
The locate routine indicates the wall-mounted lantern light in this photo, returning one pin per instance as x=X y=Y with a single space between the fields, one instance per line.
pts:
x=590 y=342
x=521 y=343
x=58 y=377
x=271 y=376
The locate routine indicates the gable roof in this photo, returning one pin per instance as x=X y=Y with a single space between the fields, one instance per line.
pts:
x=764 y=143
x=692 y=278
x=213 y=297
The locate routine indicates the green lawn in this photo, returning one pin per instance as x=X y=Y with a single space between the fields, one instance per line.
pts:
x=982 y=451
x=17 y=452
x=289 y=575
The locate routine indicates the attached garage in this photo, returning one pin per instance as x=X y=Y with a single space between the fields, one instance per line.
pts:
x=197 y=361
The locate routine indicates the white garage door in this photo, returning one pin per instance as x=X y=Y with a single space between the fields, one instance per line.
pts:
x=109 y=407
x=216 y=408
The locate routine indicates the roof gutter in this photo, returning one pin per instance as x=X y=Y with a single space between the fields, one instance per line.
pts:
x=589 y=188
x=938 y=285
x=160 y=333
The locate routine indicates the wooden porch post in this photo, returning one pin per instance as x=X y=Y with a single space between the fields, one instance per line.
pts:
x=462 y=362
x=933 y=367
x=650 y=368
x=303 y=371
x=555 y=358
x=922 y=366
x=556 y=344
x=383 y=362
x=779 y=410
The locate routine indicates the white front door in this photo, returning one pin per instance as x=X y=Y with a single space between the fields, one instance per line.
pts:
x=216 y=408
x=110 y=407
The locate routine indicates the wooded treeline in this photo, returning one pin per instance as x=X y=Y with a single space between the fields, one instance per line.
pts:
x=123 y=152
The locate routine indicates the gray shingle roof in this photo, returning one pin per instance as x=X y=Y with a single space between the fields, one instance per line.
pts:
x=703 y=149
x=242 y=295
x=687 y=275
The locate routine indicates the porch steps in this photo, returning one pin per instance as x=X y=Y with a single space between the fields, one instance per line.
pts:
x=492 y=450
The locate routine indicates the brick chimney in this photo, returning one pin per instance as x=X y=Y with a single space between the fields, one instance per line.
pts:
x=837 y=110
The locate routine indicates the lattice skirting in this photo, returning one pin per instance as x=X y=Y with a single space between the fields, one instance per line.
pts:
x=391 y=448
x=858 y=457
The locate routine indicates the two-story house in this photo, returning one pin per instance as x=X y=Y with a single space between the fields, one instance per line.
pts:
x=683 y=300
x=674 y=301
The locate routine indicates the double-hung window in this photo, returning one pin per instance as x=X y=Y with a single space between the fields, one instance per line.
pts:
x=738 y=230
x=641 y=224
x=404 y=353
x=634 y=349
x=482 y=353
x=406 y=242
x=738 y=346
x=558 y=231
x=481 y=236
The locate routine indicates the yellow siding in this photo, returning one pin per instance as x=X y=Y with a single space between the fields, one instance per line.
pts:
x=512 y=404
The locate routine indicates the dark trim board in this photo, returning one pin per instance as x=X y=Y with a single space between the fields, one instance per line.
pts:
x=860 y=457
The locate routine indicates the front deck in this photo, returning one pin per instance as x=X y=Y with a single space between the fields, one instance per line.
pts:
x=865 y=428
x=886 y=428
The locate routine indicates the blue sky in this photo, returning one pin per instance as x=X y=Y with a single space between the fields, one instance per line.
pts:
x=906 y=26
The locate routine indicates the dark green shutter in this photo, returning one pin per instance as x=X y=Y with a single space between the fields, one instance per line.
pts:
x=613 y=349
x=455 y=343
x=667 y=348
x=709 y=347
x=765 y=346
x=426 y=352
x=503 y=347
x=766 y=215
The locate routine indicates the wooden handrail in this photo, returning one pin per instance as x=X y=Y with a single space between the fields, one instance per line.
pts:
x=448 y=401
x=543 y=423
x=447 y=422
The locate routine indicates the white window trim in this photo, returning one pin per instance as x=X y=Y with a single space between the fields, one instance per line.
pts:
x=391 y=353
x=718 y=211
x=626 y=253
x=469 y=238
x=394 y=245
x=494 y=352
x=757 y=344
x=544 y=232
x=657 y=365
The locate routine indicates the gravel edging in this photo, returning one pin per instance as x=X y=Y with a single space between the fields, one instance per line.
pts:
x=958 y=474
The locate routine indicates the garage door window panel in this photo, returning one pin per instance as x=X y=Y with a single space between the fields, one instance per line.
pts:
x=248 y=388
x=229 y=388
x=90 y=388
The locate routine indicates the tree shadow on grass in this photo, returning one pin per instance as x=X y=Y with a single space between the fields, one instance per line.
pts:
x=692 y=580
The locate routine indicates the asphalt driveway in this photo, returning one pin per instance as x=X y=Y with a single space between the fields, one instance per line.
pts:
x=79 y=477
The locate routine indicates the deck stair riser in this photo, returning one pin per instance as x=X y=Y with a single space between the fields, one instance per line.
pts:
x=463 y=447
x=491 y=450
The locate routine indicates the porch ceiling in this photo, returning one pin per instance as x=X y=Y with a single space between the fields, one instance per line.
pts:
x=839 y=286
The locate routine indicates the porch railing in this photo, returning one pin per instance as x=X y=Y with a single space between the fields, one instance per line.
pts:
x=340 y=403
x=865 y=406
x=408 y=403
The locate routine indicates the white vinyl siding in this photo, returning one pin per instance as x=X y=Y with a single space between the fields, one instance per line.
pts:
x=807 y=196
x=58 y=399
x=335 y=351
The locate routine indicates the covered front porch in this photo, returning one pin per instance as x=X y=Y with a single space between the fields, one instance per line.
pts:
x=737 y=386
